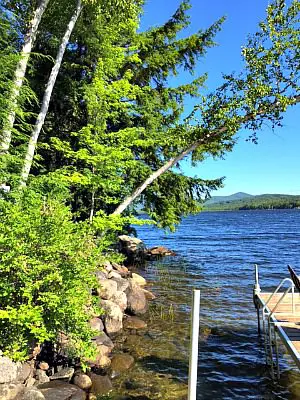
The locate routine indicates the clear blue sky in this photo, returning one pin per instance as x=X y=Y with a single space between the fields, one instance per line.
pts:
x=272 y=166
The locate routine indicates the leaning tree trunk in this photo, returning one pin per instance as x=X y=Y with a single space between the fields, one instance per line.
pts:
x=169 y=164
x=47 y=96
x=20 y=74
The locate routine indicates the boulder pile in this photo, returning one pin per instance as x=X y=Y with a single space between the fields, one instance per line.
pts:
x=136 y=252
x=123 y=298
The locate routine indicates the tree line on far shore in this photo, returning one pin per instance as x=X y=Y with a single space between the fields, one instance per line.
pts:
x=262 y=202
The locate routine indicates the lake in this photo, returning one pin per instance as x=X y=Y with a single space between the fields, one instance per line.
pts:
x=216 y=252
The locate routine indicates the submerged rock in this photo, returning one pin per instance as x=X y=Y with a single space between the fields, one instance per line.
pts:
x=101 y=384
x=134 y=323
x=121 y=362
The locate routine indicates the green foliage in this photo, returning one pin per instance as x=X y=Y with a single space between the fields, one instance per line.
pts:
x=46 y=275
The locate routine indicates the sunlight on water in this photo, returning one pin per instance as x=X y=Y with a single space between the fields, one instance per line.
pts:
x=216 y=252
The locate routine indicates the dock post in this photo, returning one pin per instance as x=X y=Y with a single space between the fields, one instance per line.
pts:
x=194 y=343
x=256 y=291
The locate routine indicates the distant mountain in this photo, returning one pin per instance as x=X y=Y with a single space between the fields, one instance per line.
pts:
x=232 y=197
x=244 y=201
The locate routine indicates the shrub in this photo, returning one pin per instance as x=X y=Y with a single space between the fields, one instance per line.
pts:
x=47 y=265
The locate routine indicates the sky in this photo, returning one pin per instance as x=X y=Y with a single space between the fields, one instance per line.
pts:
x=271 y=166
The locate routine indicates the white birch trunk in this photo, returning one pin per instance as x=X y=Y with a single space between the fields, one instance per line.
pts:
x=169 y=164
x=20 y=74
x=47 y=96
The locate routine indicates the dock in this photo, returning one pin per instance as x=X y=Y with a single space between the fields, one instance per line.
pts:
x=279 y=314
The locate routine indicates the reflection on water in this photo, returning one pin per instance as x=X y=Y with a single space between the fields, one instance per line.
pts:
x=216 y=252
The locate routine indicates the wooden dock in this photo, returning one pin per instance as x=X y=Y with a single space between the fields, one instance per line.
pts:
x=280 y=315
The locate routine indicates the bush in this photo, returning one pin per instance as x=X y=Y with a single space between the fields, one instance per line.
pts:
x=47 y=265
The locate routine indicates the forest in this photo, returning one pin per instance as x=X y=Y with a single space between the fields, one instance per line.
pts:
x=91 y=130
x=261 y=202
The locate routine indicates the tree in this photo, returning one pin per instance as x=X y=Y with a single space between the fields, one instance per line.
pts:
x=268 y=86
x=111 y=7
x=132 y=112
x=19 y=75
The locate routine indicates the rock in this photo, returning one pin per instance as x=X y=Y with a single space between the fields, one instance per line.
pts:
x=103 y=340
x=138 y=279
x=24 y=371
x=107 y=288
x=114 y=274
x=41 y=376
x=96 y=324
x=136 y=299
x=159 y=251
x=100 y=384
x=58 y=390
x=9 y=391
x=120 y=299
x=121 y=362
x=83 y=381
x=33 y=394
x=108 y=267
x=121 y=269
x=65 y=373
x=100 y=275
x=133 y=248
x=30 y=382
x=134 y=323
x=113 y=316
x=149 y=295
x=104 y=347
x=122 y=283
x=104 y=362
x=43 y=365
x=9 y=370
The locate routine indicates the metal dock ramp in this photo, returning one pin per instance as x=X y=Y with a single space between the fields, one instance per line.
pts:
x=280 y=315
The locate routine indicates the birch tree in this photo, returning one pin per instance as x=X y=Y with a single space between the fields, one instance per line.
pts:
x=19 y=75
x=112 y=7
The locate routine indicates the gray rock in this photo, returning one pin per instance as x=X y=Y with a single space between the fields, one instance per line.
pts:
x=114 y=274
x=103 y=339
x=33 y=394
x=100 y=384
x=58 y=390
x=107 y=288
x=96 y=324
x=138 y=279
x=9 y=391
x=9 y=370
x=122 y=283
x=136 y=299
x=121 y=362
x=120 y=299
x=41 y=376
x=24 y=371
x=30 y=382
x=100 y=275
x=113 y=316
x=134 y=323
x=64 y=373
x=83 y=381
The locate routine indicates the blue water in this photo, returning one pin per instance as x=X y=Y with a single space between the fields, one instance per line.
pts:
x=216 y=252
